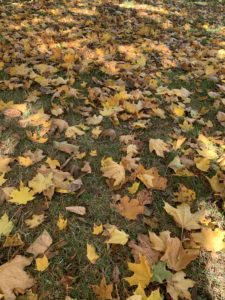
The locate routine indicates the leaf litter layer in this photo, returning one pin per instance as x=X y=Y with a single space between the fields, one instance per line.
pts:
x=112 y=159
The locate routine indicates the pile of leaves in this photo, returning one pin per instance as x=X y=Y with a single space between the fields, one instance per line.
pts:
x=112 y=149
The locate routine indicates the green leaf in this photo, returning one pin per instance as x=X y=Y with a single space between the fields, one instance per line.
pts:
x=160 y=273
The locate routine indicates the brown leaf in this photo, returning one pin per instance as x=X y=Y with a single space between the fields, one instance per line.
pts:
x=144 y=248
x=103 y=291
x=79 y=210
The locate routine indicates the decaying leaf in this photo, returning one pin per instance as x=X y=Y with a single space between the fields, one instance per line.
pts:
x=35 y=221
x=79 y=210
x=6 y=225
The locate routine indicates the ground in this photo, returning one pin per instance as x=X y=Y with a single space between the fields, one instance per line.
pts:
x=148 y=70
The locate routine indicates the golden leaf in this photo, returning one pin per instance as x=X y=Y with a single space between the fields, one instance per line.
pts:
x=116 y=236
x=97 y=229
x=40 y=183
x=142 y=272
x=91 y=254
x=130 y=208
x=42 y=263
x=35 y=221
x=103 y=291
x=134 y=188
x=22 y=195
x=62 y=222
x=13 y=241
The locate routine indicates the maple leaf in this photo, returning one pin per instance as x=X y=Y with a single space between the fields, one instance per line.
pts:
x=177 y=286
x=12 y=277
x=160 y=273
x=158 y=243
x=41 y=263
x=62 y=222
x=210 y=240
x=97 y=229
x=176 y=257
x=35 y=221
x=139 y=294
x=184 y=194
x=114 y=171
x=6 y=225
x=103 y=291
x=91 y=254
x=151 y=178
x=142 y=272
x=158 y=146
x=130 y=208
x=22 y=195
x=40 y=183
x=183 y=216
x=116 y=236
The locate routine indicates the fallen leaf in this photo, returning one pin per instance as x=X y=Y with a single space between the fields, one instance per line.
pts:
x=184 y=194
x=114 y=171
x=42 y=263
x=40 y=183
x=21 y=196
x=103 y=291
x=130 y=208
x=6 y=225
x=183 y=216
x=62 y=222
x=41 y=244
x=97 y=229
x=116 y=236
x=79 y=210
x=13 y=241
x=134 y=188
x=209 y=240
x=35 y=221
x=142 y=272
x=160 y=273
x=159 y=146
x=91 y=254
x=177 y=286
x=151 y=178
x=12 y=276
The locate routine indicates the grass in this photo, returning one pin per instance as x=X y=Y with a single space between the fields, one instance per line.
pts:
x=69 y=272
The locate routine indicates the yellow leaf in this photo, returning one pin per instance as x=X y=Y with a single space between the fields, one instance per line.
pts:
x=184 y=194
x=13 y=241
x=35 y=221
x=114 y=171
x=42 y=263
x=177 y=286
x=216 y=183
x=142 y=272
x=24 y=161
x=97 y=229
x=22 y=195
x=177 y=110
x=139 y=294
x=6 y=225
x=2 y=179
x=103 y=291
x=117 y=236
x=183 y=216
x=62 y=222
x=210 y=240
x=151 y=178
x=53 y=163
x=134 y=188
x=130 y=208
x=178 y=143
x=91 y=254
x=93 y=153
x=40 y=183
x=159 y=146
x=202 y=163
